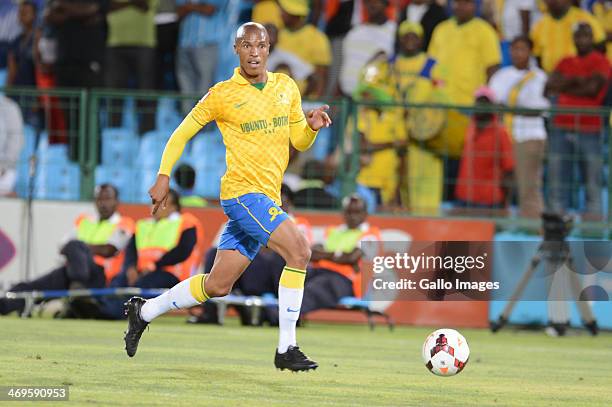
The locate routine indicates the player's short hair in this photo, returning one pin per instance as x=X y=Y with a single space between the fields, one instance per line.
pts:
x=524 y=39
x=240 y=32
x=106 y=185
x=349 y=199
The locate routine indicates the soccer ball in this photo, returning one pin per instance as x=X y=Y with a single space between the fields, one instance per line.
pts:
x=445 y=352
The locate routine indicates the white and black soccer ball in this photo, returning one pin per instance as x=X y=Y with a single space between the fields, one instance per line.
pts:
x=445 y=352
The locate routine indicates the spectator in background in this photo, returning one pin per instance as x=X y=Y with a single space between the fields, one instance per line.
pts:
x=21 y=70
x=552 y=35
x=9 y=30
x=185 y=177
x=516 y=18
x=305 y=41
x=469 y=48
x=334 y=271
x=415 y=75
x=383 y=133
x=267 y=12
x=578 y=81
x=340 y=15
x=200 y=31
x=313 y=188
x=45 y=57
x=166 y=35
x=162 y=252
x=602 y=9
x=11 y=140
x=280 y=60
x=21 y=50
x=80 y=29
x=427 y=13
x=522 y=86
x=164 y=249
x=93 y=251
x=130 y=55
x=364 y=41
x=487 y=163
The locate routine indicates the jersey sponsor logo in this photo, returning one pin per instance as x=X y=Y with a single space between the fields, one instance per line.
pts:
x=262 y=124
x=280 y=121
x=254 y=125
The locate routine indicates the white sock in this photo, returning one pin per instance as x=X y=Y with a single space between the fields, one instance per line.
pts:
x=290 y=293
x=185 y=294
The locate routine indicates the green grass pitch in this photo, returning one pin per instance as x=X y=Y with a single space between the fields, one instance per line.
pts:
x=180 y=365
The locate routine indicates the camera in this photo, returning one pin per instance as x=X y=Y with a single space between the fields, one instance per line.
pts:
x=556 y=226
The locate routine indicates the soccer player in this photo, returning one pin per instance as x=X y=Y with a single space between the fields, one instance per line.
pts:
x=258 y=113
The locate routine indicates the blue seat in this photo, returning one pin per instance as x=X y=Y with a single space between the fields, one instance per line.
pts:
x=208 y=159
x=59 y=180
x=146 y=178
x=151 y=148
x=122 y=178
x=23 y=163
x=119 y=146
x=167 y=117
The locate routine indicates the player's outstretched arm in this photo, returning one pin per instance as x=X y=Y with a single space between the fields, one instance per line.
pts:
x=174 y=148
x=303 y=137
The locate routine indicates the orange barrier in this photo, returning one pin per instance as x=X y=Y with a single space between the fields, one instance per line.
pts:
x=473 y=314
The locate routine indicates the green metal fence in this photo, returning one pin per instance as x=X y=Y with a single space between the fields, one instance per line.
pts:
x=107 y=130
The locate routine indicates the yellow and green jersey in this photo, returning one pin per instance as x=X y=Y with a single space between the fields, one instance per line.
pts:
x=257 y=126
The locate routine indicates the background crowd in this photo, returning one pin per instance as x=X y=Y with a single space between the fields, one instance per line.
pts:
x=480 y=56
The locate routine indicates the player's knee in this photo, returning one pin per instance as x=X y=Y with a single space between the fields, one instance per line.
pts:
x=300 y=255
x=217 y=289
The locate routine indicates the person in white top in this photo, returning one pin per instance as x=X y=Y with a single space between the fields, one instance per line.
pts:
x=517 y=17
x=11 y=140
x=364 y=41
x=522 y=86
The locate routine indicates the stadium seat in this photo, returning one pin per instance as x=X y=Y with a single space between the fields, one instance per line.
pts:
x=207 y=156
x=167 y=116
x=59 y=181
x=56 y=176
x=151 y=148
x=146 y=178
x=23 y=164
x=122 y=178
x=118 y=146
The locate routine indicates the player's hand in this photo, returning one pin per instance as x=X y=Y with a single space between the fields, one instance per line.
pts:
x=318 y=118
x=159 y=192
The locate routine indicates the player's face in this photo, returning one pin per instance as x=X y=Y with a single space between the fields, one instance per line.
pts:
x=355 y=214
x=253 y=50
x=106 y=203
